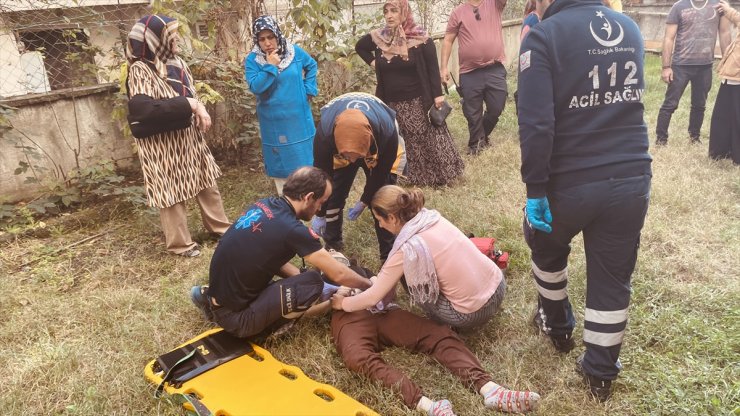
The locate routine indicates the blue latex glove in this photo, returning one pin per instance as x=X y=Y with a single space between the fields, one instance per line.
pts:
x=328 y=290
x=538 y=214
x=355 y=211
x=318 y=225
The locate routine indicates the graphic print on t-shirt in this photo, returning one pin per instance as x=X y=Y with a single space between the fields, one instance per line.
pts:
x=696 y=35
x=248 y=219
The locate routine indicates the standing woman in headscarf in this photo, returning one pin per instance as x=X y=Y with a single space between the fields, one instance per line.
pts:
x=407 y=71
x=283 y=77
x=177 y=164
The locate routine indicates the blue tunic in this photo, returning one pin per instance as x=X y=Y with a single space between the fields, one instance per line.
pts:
x=284 y=112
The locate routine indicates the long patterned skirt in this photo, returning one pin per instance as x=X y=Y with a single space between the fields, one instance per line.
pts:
x=433 y=159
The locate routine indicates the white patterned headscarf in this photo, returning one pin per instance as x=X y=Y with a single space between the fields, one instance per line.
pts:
x=286 y=51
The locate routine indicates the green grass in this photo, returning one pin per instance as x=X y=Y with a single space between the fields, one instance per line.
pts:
x=78 y=327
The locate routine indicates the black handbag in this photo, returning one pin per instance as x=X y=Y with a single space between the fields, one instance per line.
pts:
x=437 y=116
x=148 y=116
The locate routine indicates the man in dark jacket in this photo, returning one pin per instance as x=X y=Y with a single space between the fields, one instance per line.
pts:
x=356 y=130
x=585 y=163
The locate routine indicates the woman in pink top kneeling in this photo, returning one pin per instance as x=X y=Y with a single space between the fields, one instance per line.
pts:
x=452 y=281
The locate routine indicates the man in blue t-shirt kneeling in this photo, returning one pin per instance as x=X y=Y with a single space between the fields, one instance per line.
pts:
x=241 y=296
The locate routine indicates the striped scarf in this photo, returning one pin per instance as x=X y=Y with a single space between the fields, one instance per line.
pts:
x=150 y=41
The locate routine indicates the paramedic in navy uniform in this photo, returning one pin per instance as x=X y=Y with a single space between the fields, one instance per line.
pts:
x=586 y=167
x=242 y=296
x=356 y=131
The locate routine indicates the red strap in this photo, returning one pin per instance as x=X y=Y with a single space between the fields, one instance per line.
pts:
x=144 y=45
x=182 y=81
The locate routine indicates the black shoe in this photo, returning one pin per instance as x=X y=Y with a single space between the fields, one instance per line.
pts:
x=477 y=149
x=562 y=343
x=473 y=151
x=198 y=294
x=600 y=389
x=661 y=141
x=695 y=140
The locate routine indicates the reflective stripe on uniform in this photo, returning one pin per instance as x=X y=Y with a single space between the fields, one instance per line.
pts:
x=332 y=214
x=603 y=339
x=606 y=317
x=550 y=277
x=558 y=294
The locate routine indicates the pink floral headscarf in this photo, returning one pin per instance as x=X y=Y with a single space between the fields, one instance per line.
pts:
x=396 y=42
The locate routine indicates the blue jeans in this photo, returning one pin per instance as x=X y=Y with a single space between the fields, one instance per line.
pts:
x=700 y=77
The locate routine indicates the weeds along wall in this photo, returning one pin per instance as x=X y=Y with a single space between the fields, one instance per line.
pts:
x=60 y=63
x=63 y=134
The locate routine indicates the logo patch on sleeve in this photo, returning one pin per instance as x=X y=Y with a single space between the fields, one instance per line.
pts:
x=525 y=60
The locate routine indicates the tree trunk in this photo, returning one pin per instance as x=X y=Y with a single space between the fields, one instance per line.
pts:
x=233 y=31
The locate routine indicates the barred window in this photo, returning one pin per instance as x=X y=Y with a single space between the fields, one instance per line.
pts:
x=66 y=57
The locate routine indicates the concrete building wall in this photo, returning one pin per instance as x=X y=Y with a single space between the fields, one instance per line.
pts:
x=18 y=79
x=108 y=39
x=652 y=25
x=61 y=125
